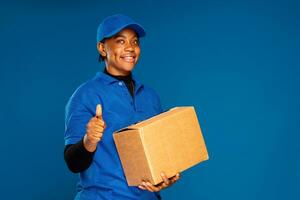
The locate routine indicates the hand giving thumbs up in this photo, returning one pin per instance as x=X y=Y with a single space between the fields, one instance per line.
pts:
x=94 y=130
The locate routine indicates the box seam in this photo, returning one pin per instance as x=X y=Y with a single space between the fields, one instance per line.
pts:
x=146 y=154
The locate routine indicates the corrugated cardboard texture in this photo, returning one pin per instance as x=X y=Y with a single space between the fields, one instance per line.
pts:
x=130 y=149
x=171 y=142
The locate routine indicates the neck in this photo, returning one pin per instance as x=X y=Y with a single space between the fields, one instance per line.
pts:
x=125 y=78
x=116 y=72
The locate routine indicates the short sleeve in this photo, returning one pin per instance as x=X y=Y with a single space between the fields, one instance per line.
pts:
x=80 y=108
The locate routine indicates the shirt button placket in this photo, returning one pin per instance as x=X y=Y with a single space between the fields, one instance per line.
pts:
x=127 y=93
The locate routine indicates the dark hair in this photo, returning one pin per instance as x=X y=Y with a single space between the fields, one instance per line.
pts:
x=100 y=58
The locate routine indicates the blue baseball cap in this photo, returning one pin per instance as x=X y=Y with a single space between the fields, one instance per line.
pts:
x=111 y=25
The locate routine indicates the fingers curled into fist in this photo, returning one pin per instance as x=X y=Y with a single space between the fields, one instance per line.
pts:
x=94 y=130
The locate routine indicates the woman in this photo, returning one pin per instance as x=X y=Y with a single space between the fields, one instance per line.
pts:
x=113 y=99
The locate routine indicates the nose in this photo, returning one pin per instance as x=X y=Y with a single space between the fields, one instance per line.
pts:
x=129 y=47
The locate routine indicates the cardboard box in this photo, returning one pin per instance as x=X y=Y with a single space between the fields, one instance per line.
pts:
x=170 y=142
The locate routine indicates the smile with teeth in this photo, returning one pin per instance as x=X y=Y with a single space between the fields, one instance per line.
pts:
x=128 y=58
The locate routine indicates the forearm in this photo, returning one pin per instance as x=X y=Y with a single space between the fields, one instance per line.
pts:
x=77 y=157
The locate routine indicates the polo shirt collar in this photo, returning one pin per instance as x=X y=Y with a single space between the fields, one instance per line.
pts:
x=110 y=80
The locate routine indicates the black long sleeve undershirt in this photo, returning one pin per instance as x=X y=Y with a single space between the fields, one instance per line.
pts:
x=76 y=156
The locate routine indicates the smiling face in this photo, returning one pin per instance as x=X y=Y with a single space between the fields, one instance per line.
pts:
x=120 y=52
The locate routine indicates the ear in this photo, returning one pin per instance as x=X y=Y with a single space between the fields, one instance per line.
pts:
x=101 y=49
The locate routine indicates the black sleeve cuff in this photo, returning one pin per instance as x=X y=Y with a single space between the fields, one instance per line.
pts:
x=77 y=157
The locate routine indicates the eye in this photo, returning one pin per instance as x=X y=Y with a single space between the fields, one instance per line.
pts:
x=136 y=42
x=120 y=41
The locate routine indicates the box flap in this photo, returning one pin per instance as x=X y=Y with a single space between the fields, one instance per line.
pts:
x=152 y=120
x=126 y=129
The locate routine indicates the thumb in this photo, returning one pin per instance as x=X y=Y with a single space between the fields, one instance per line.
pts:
x=99 y=111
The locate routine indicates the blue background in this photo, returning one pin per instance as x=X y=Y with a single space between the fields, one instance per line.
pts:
x=237 y=62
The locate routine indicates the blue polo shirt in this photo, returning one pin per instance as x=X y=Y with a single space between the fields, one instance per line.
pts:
x=105 y=179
